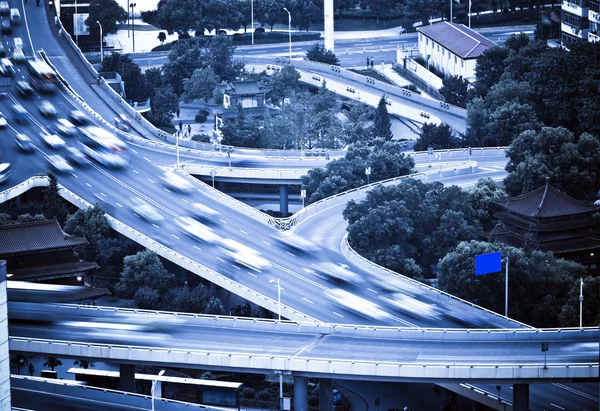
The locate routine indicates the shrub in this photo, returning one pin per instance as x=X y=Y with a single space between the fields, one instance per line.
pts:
x=259 y=30
x=204 y=112
x=203 y=138
x=313 y=400
x=200 y=118
x=248 y=393
x=264 y=395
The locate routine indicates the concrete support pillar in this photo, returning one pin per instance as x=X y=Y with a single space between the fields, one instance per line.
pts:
x=300 y=393
x=127 y=377
x=520 y=397
x=325 y=394
x=4 y=355
x=220 y=185
x=328 y=20
x=283 y=200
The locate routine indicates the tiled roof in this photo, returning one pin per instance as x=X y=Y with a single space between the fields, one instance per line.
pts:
x=85 y=294
x=546 y=201
x=457 y=38
x=51 y=270
x=35 y=236
x=245 y=88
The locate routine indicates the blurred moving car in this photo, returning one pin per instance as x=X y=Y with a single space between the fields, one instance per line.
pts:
x=296 y=244
x=4 y=8
x=176 y=182
x=339 y=272
x=65 y=128
x=47 y=109
x=4 y=171
x=244 y=255
x=24 y=88
x=77 y=117
x=197 y=230
x=7 y=68
x=76 y=157
x=395 y=284
x=122 y=122
x=24 y=143
x=204 y=213
x=103 y=202
x=3 y=122
x=20 y=115
x=6 y=27
x=144 y=210
x=411 y=306
x=59 y=164
x=53 y=141
x=18 y=56
x=356 y=304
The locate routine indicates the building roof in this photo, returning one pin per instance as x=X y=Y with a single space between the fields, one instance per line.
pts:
x=252 y=112
x=35 y=236
x=546 y=201
x=245 y=88
x=457 y=38
x=54 y=270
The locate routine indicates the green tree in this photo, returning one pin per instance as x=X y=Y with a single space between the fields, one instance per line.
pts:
x=91 y=224
x=382 y=125
x=454 y=90
x=18 y=361
x=164 y=104
x=489 y=68
x=200 y=86
x=569 y=315
x=319 y=54
x=477 y=119
x=26 y=218
x=179 y=16
x=220 y=57
x=162 y=37
x=214 y=307
x=108 y=13
x=6 y=219
x=85 y=364
x=436 y=136
x=304 y=12
x=423 y=9
x=154 y=79
x=143 y=269
x=379 y=7
x=484 y=195
x=187 y=299
x=285 y=82
x=147 y=298
x=52 y=362
x=269 y=12
x=517 y=41
x=185 y=57
x=507 y=122
x=131 y=74
x=54 y=206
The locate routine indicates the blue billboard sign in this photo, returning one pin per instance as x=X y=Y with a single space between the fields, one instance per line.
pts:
x=488 y=263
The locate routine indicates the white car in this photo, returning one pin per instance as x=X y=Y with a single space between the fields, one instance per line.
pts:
x=59 y=164
x=205 y=213
x=296 y=244
x=3 y=122
x=65 y=127
x=47 y=109
x=244 y=255
x=356 y=304
x=53 y=141
x=77 y=117
x=77 y=157
x=18 y=56
x=340 y=273
x=196 y=230
x=411 y=306
x=144 y=210
x=176 y=182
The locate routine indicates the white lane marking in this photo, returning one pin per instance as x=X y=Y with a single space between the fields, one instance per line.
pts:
x=185 y=201
x=396 y=42
x=293 y=255
x=133 y=150
x=557 y=406
x=244 y=232
x=151 y=181
x=88 y=184
x=256 y=52
x=135 y=171
x=363 y=44
x=220 y=259
x=197 y=248
x=223 y=221
x=119 y=205
x=266 y=242
x=176 y=236
x=103 y=195
x=253 y=275
x=155 y=225
x=235 y=266
x=307 y=300
x=339 y=315
x=74 y=175
x=373 y=291
x=148 y=160
x=167 y=190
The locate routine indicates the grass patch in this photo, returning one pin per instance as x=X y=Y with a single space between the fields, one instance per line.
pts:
x=371 y=73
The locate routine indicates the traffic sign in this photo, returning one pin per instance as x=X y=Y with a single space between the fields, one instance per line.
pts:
x=438 y=156
x=368 y=171
x=213 y=173
x=302 y=193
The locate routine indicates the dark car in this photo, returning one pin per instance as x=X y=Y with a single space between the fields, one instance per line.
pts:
x=77 y=117
x=24 y=88
x=6 y=27
x=2 y=50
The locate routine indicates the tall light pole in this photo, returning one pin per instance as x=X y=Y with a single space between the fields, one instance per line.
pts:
x=132 y=5
x=160 y=374
x=75 y=25
x=581 y=304
x=101 y=51
x=177 y=148
x=279 y=317
x=128 y=18
x=252 y=19
x=289 y=29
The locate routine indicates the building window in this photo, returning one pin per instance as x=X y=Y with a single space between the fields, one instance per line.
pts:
x=455 y=61
x=438 y=48
x=427 y=42
x=462 y=63
x=573 y=20
x=595 y=6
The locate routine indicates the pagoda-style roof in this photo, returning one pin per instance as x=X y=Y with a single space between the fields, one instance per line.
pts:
x=245 y=88
x=546 y=202
x=53 y=271
x=35 y=236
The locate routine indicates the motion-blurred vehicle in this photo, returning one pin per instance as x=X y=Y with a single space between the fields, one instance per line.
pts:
x=18 y=56
x=243 y=255
x=122 y=122
x=4 y=8
x=176 y=182
x=296 y=244
x=3 y=122
x=144 y=210
x=65 y=128
x=59 y=164
x=6 y=27
x=204 y=213
x=103 y=202
x=7 y=68
x=53 y=141
x=197 y=230
x=24 y=88
x=24 y=143
x=411 y=306
x=77 y=117
x=167 y=242
x=394 y=284
x=76 y=157
x=15 y=17
x=4 y=171
x=20 y=115
x=356 y=304
x=17 y=43
x=339 y=272
x=2 y=50
x=47 y=109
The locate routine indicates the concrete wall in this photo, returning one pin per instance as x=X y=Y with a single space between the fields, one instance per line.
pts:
x=4 y=354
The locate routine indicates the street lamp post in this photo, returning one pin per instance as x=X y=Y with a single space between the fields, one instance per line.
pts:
x=581 y=304
x=132 y=5
x=128 y=34
x=289 y=29
x=101 y=50
x=75 y=25
x=252 y=19
x=177 y=149
x=278 y=297
x=160 y=374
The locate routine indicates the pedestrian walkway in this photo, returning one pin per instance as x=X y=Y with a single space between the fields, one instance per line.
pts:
x=389 y=72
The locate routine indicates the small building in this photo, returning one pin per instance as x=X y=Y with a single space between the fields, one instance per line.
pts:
x=114 y=81
x=452 y=48
x=40 y=251
x=547 y=220
x=247 y=93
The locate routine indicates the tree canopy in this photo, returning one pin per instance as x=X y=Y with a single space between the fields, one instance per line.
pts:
x=201 y=85
x=382 y=124
x=108 y=13
x=320 y=54
x=436 y=136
